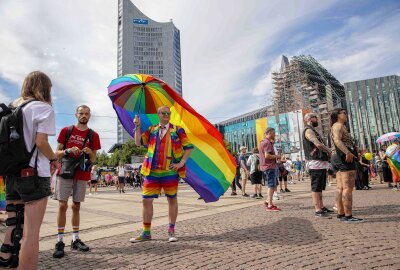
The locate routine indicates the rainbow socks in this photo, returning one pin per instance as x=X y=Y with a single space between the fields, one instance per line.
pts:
x=75 y=233
x=60 y=234
x=146 y=228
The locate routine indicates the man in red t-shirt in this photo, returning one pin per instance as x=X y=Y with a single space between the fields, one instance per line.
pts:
x=76 y=186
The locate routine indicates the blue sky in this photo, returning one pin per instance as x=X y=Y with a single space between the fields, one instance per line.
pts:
x=229 y=49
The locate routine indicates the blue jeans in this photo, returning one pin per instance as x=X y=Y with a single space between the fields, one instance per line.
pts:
x=270 y=178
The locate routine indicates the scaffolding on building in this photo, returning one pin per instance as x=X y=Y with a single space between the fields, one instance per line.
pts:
x=305 y=84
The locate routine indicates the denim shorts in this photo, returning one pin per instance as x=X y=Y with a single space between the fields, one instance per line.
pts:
x=27 y=189
x=270 y=177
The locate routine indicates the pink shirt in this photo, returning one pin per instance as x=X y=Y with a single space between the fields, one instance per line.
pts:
x=267 y=147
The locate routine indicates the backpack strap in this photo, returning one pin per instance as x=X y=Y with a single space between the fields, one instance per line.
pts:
x=90 y=136
x=69 y=132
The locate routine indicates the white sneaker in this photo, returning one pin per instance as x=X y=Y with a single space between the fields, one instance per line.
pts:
x=171 y=237
x=90 y=194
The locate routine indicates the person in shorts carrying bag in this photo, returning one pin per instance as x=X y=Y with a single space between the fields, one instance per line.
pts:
x=255 y=173
x=81 y=144
x=28 y=190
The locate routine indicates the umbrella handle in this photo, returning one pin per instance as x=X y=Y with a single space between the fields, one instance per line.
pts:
x=140 y=98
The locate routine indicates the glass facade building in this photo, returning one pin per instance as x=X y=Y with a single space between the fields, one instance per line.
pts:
x=148 y=47
x=373 y=107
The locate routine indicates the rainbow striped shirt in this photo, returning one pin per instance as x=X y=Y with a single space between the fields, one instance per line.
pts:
x=161 y=152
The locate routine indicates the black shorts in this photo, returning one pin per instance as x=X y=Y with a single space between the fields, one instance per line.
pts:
x=93 y=181
x=27 y=189
x=256 y=178
x=318 y=180
x=121 y=179
x=339 y=165
x=330 y=172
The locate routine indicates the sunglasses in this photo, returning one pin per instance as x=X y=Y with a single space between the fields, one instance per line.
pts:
x=165 y=113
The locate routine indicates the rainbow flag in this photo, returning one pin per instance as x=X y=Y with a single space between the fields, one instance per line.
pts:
x=393 y=152
x=211 y=168
x=2 y=195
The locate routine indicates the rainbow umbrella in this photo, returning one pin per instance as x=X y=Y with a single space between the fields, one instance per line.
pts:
x=210 y=168
x=2 y=195
x=388 y=137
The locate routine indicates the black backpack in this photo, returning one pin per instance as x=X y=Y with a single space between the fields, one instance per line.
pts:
x=13 y=154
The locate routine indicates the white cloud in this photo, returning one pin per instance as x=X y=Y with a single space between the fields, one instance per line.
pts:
x=224 y=47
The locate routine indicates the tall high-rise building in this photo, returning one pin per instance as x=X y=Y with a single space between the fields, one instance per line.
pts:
x=303 y=83
x=148 y=47
x=373 y=106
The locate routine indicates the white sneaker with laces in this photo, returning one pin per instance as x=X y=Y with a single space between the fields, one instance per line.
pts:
x=171 y=237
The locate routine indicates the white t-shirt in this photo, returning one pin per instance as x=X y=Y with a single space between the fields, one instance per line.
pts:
x=121 y=171
x=38 y=117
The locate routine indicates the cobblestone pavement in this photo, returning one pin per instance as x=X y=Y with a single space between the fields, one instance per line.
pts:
x=251 y=238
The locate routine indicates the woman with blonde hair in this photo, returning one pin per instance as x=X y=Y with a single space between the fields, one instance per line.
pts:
x=28 y=194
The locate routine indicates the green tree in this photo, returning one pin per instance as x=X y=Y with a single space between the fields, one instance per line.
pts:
x=102 y=159
x=228 y=146
x=128 y=150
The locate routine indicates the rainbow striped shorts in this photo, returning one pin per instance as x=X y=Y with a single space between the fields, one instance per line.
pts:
x=160 y=179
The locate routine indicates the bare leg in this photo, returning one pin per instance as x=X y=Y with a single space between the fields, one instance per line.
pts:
x=270 y=195
x=34 y=213
x=62 y=213
x=339 y=193
x=76 y=206
x=244 y=180
x=348 y=181
x=172 y=209
x=316 y=196
x=147 y=210
x=95 y=188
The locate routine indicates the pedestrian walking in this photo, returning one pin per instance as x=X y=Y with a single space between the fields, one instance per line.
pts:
x=317 y=155
x=121 y=176
x=94 y=180
x=244 y=172
x=268 y=160
x=386 y=172
x=283 y=175
x=168 y=149
x=236 y=180
x=255 y=173
x=344 y=158
x=75 y=143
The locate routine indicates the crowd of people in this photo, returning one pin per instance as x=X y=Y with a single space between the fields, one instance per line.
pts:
x=168 y=149
x=354 y=168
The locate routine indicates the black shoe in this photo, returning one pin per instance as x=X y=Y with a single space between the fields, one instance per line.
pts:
x=123 y=191
x=233 y=194
x=287 y=190
x=79 y=245
x=200 y=198
x=322 y=214
x=59 y=250
x=282 y=191
x=245 y=195
x=352 y=219
x=260 y=196
x=326 y=210
x=254 y=196
x=341 y=217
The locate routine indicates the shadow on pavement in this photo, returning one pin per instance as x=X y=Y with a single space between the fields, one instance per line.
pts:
x=289 y=231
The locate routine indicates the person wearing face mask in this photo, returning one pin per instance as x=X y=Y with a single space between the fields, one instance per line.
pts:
x=317 y=155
